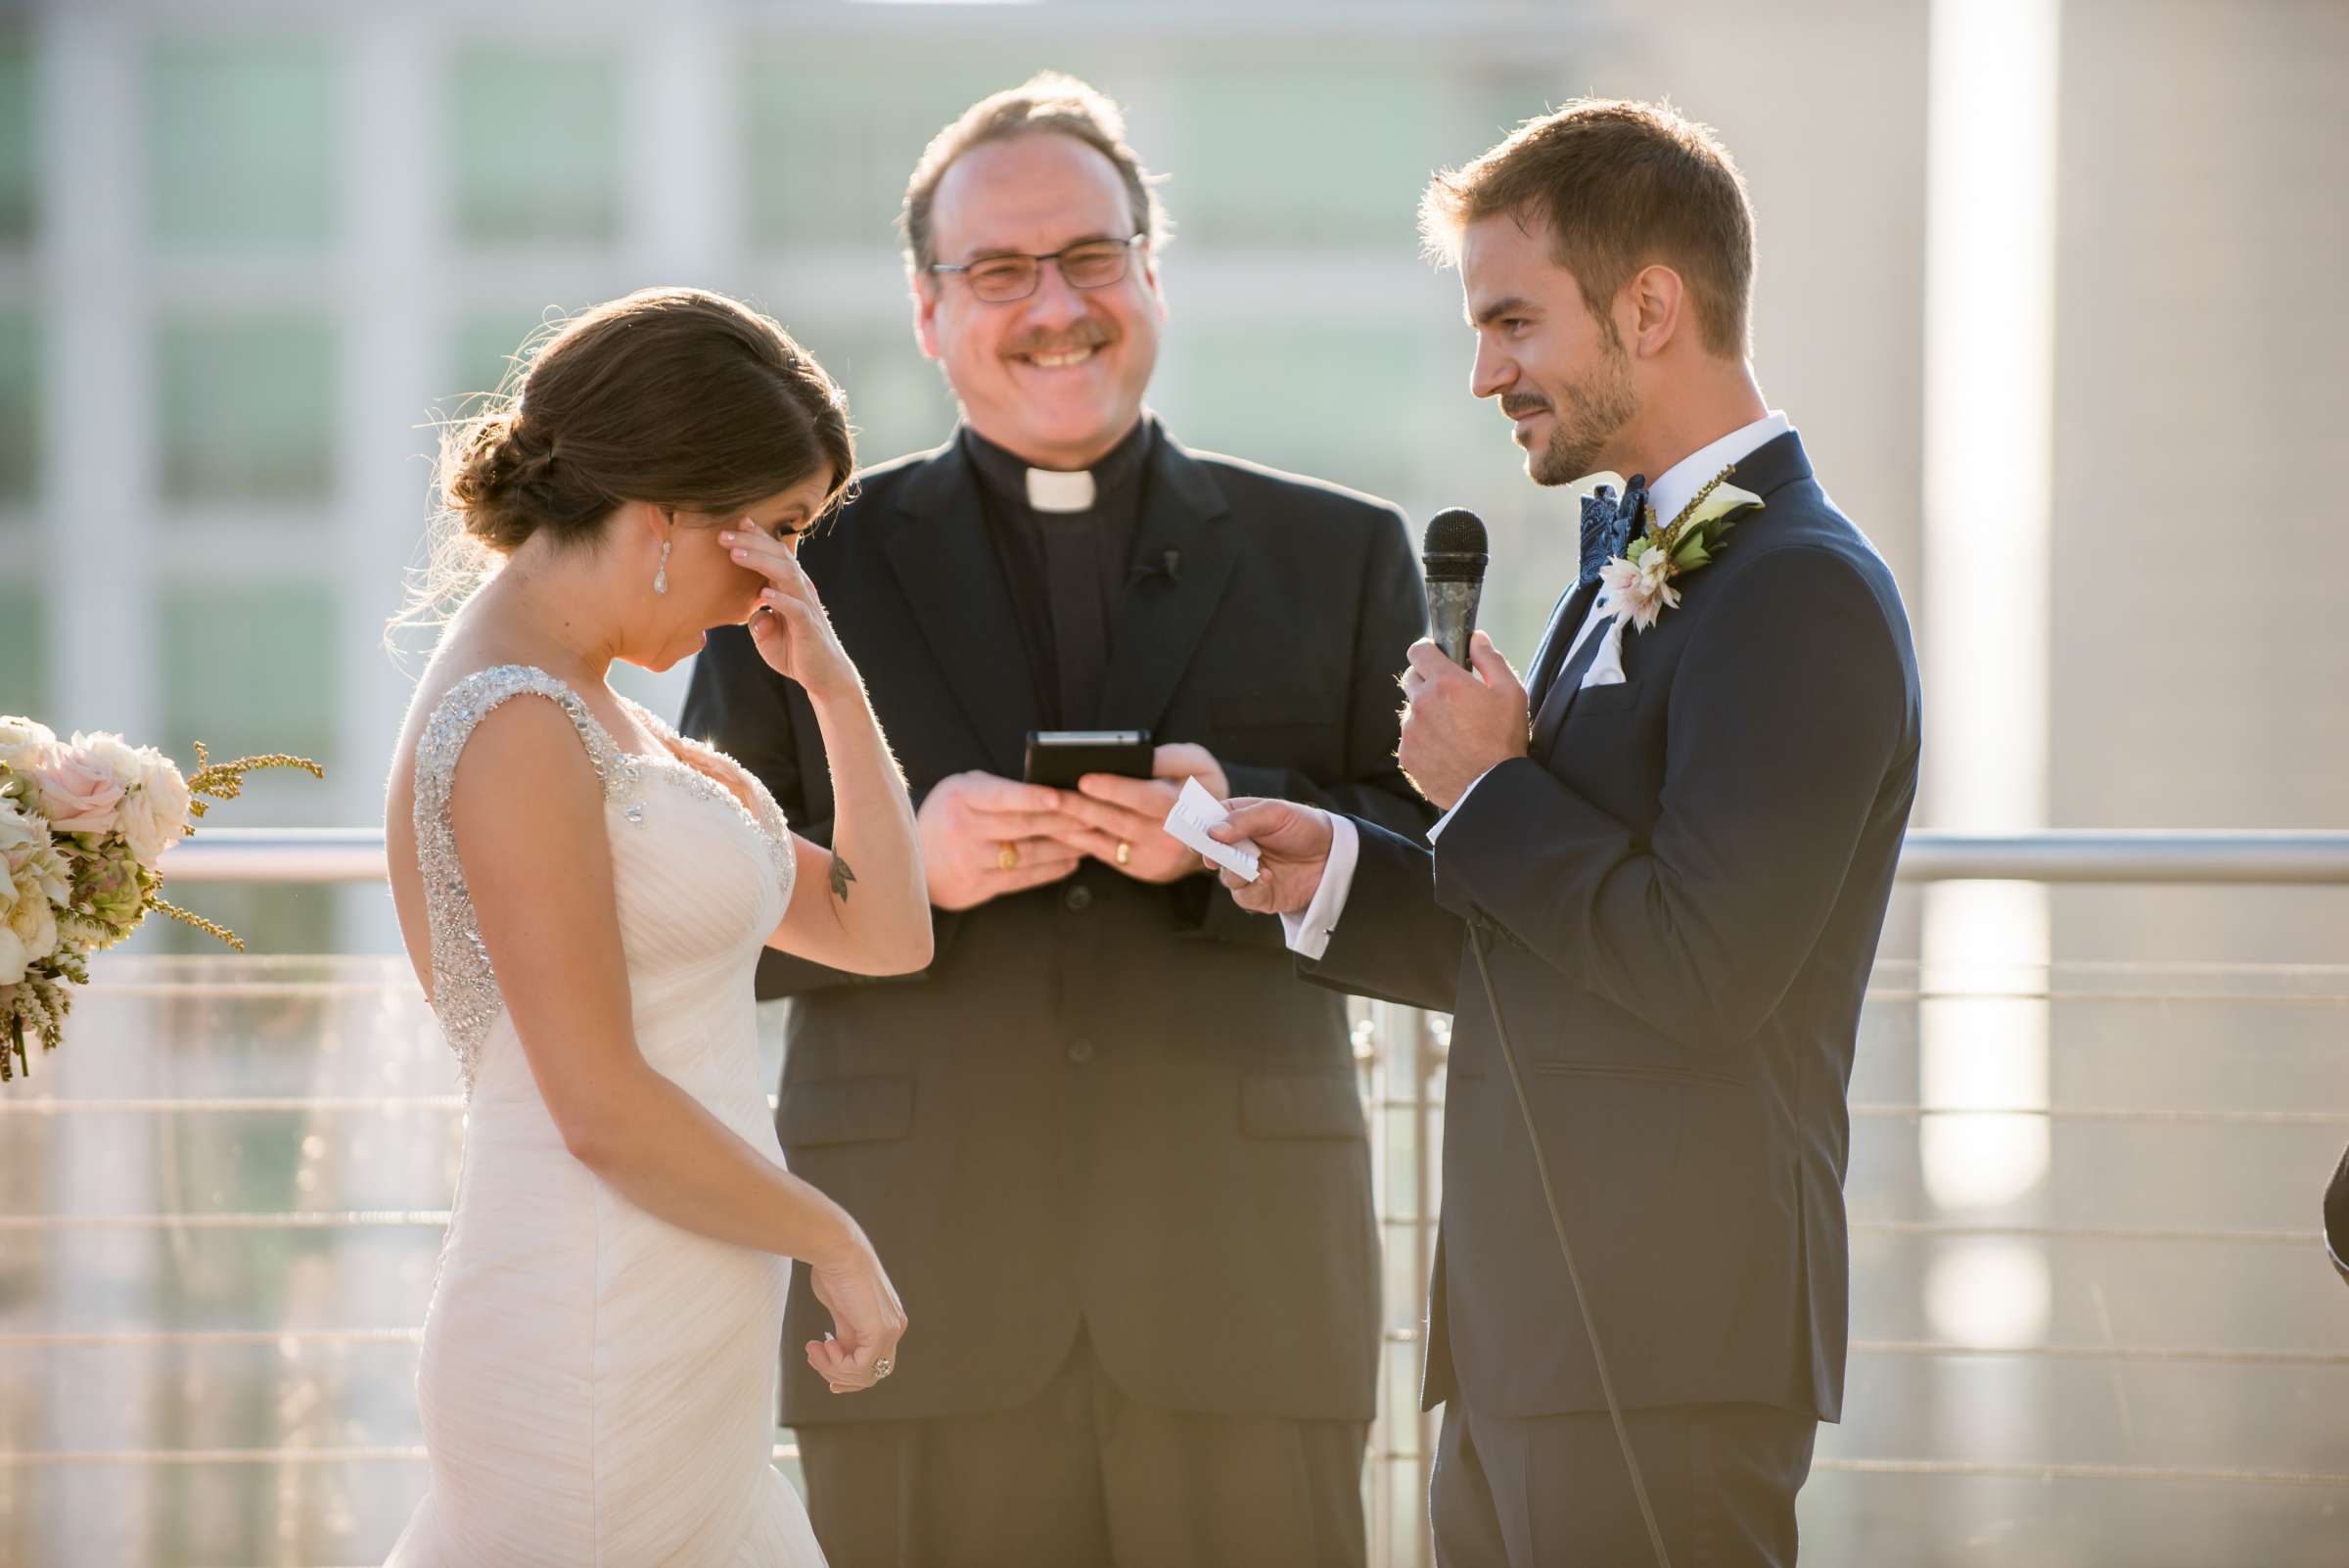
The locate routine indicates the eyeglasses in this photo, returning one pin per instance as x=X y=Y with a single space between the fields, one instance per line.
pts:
x=1086 y=264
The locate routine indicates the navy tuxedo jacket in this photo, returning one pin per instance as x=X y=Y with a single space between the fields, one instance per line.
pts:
x=1680 y=891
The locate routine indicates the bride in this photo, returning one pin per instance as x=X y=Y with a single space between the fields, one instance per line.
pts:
x=585 y=895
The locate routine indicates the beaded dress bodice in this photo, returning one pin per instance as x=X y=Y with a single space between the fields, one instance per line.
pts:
x=465 y=991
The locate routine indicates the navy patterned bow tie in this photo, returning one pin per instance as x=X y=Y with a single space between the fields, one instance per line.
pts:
x=1608 y=523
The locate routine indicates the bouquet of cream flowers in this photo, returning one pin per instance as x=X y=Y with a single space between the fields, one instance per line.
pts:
x=83 y=826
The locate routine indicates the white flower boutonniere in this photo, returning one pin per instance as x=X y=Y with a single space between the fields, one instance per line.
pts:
x=1640 y=582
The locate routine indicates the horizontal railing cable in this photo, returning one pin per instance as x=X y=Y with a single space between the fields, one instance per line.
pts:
x=2304 y=857
x=290 y=1338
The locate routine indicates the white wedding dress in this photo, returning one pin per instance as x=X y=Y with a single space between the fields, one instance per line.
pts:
x=597 y=1385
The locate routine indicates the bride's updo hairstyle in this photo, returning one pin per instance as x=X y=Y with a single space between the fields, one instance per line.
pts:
x=675 y=397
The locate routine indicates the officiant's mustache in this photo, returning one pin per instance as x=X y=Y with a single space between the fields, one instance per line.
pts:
x=1519 y=407
x=1086 y=334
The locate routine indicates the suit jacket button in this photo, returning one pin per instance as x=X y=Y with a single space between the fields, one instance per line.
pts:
x=1081 y=1051
x=1079 y=900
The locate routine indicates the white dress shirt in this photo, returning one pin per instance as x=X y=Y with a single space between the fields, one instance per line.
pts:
x=1308 y=932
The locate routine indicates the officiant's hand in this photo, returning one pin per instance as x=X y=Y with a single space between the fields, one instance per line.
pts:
x=867 y=1319
x=1459 y=722
x=1292 y=851
x=1109 y=811
x=983 y=836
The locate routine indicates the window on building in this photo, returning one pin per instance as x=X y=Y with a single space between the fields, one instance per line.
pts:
x=19 y=158
x=246 y=408
x=20 y=410
x=833 y=135
x=240 y=143
x=248 y=668
x=23 y=652
x=535 y=136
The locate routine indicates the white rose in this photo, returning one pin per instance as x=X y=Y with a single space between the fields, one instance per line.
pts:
x=154 y=813
x=13 y=957
x=20 y=736
x=28 y=857
x=33 y=927
x=115 y=754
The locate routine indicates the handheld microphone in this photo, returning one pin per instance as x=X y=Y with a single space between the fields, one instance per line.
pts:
x=1454 y=555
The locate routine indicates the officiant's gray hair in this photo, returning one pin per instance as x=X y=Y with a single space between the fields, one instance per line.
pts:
x=1048 y=102
x=1622 y=185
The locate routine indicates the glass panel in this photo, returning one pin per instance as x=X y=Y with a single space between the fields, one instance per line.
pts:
x=240 y=143
x=20 y=410
x=2188 y=1096
x=246 y=408
x=537 y=138
x=20 y=155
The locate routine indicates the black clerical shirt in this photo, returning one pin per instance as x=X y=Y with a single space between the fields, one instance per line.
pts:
x=1067 y=571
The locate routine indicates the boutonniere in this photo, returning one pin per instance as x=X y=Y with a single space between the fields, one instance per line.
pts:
x=1640 y=582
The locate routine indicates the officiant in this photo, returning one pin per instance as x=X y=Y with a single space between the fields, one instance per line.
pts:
x=1111 y=1145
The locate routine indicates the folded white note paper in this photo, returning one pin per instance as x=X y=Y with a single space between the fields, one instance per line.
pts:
x=1195 y=812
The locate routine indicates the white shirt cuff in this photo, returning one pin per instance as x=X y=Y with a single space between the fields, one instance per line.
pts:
x=1445 y=821
x=1308 y=932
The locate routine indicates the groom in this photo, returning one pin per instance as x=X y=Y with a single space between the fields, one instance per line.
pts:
x=1677 y=884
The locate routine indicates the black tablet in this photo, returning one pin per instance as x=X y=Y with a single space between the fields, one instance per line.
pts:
x=1061 y=756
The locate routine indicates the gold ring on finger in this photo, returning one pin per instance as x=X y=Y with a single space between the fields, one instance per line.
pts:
x=1124 y=853
x=1008 y=859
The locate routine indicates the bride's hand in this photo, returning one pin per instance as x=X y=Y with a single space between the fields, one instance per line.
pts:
x=793 y=634
x=867 y=1319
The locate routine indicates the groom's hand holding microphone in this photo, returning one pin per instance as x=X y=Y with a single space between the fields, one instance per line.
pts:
x=1467 y=707
x=1459 y=722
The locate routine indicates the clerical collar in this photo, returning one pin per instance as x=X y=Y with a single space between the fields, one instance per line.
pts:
x=1054 y=490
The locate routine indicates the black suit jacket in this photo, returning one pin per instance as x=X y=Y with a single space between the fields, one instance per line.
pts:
x=1680 y=891
x=1104 y=1102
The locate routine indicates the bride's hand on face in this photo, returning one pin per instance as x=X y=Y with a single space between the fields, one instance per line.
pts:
x=790 y=626
x=867 y=1319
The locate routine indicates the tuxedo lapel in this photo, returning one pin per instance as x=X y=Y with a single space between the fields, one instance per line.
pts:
x=1557 y=640
x=946 y=565
x=1162 y=617
x=1561 y=694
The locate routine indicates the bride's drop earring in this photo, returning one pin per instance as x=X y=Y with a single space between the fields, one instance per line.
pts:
x=661 y=577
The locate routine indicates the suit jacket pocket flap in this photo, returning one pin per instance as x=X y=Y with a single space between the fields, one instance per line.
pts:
x=1301 y=1105
x=846 y=1110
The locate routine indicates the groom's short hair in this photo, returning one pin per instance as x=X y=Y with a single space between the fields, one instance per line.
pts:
x=1050 y=102
x=1622 y=185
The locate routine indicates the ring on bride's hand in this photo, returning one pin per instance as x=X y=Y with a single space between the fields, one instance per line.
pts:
x=1008 y=859
x=883 y=1368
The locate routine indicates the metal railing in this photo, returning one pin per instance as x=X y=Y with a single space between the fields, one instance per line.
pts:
x=1402 y=1055
x=2076 y=854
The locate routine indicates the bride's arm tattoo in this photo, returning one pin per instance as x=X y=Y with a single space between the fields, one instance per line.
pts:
x=841 y=876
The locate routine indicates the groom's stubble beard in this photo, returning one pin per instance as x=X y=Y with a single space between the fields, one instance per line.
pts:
x=1591 y=411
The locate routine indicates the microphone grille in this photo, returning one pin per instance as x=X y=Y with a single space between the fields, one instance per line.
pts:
x=1453 y=550
x=1455 y=530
